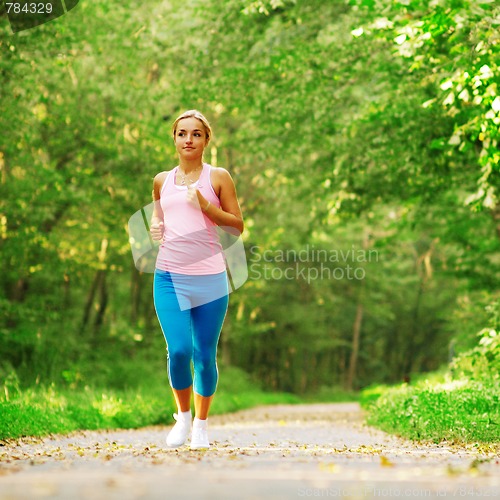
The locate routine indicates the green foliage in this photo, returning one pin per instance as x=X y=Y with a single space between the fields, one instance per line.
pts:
x=455 y=48
x=41 y=411
x=371 y=394
x=374 y=122
x=329 y=394
x=460 y=404
x=38 y=412
x=483 y=361
x=459 y=411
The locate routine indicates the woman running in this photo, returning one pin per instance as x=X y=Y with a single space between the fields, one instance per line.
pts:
x=190 y=287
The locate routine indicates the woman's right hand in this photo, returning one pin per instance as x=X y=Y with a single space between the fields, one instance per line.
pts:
x=156 y=231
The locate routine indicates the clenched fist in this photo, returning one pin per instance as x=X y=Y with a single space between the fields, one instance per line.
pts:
x=194 y=197
x=156 y=231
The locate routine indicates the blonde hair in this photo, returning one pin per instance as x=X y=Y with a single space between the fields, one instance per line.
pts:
x=194 y=113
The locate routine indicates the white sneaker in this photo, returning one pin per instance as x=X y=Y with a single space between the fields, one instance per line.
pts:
x=199 y=436
x=178 y=435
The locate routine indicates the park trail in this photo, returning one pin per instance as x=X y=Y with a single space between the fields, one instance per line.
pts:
x=282 y=451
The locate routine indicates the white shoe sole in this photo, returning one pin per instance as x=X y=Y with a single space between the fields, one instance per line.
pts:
x=176 y=445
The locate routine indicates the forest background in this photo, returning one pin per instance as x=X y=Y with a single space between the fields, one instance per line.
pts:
x=362 y=136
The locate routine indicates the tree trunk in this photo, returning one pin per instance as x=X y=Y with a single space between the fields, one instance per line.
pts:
x=103 y=301
x=424 y=269
x=410 y=354
x=97 y=285
x=356 y=330
x=90 y=300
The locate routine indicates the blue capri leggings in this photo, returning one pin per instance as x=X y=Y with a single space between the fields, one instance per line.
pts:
x=191 y=311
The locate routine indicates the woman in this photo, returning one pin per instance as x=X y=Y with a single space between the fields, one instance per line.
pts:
x=190 y=283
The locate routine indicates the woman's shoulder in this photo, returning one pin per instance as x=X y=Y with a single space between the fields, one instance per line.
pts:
x=221 y=179
x=160 y=177
x=158 y=181
x=219 y=172
x=163 y=174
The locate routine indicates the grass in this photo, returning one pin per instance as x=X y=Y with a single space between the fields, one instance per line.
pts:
x=433 y=407
x=41 y=411
x=460 y=403
x=436 y=409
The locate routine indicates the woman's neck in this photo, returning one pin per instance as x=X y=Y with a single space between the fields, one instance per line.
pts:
x=190 y=165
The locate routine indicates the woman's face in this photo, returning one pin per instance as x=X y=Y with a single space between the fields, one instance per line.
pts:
x=190 y=138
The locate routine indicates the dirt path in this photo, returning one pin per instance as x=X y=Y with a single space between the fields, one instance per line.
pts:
x=310 y=451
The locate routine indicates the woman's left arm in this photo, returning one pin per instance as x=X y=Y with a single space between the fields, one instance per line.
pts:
x=229 y=215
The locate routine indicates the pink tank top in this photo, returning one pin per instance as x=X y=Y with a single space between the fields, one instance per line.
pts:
x=190 y=242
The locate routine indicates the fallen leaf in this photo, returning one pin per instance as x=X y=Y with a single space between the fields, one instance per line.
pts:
x=385 y=462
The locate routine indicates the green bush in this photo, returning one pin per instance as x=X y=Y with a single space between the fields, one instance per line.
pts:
x=461 y=403
x=457 y=411
x=370 y=394
x=482 y=362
